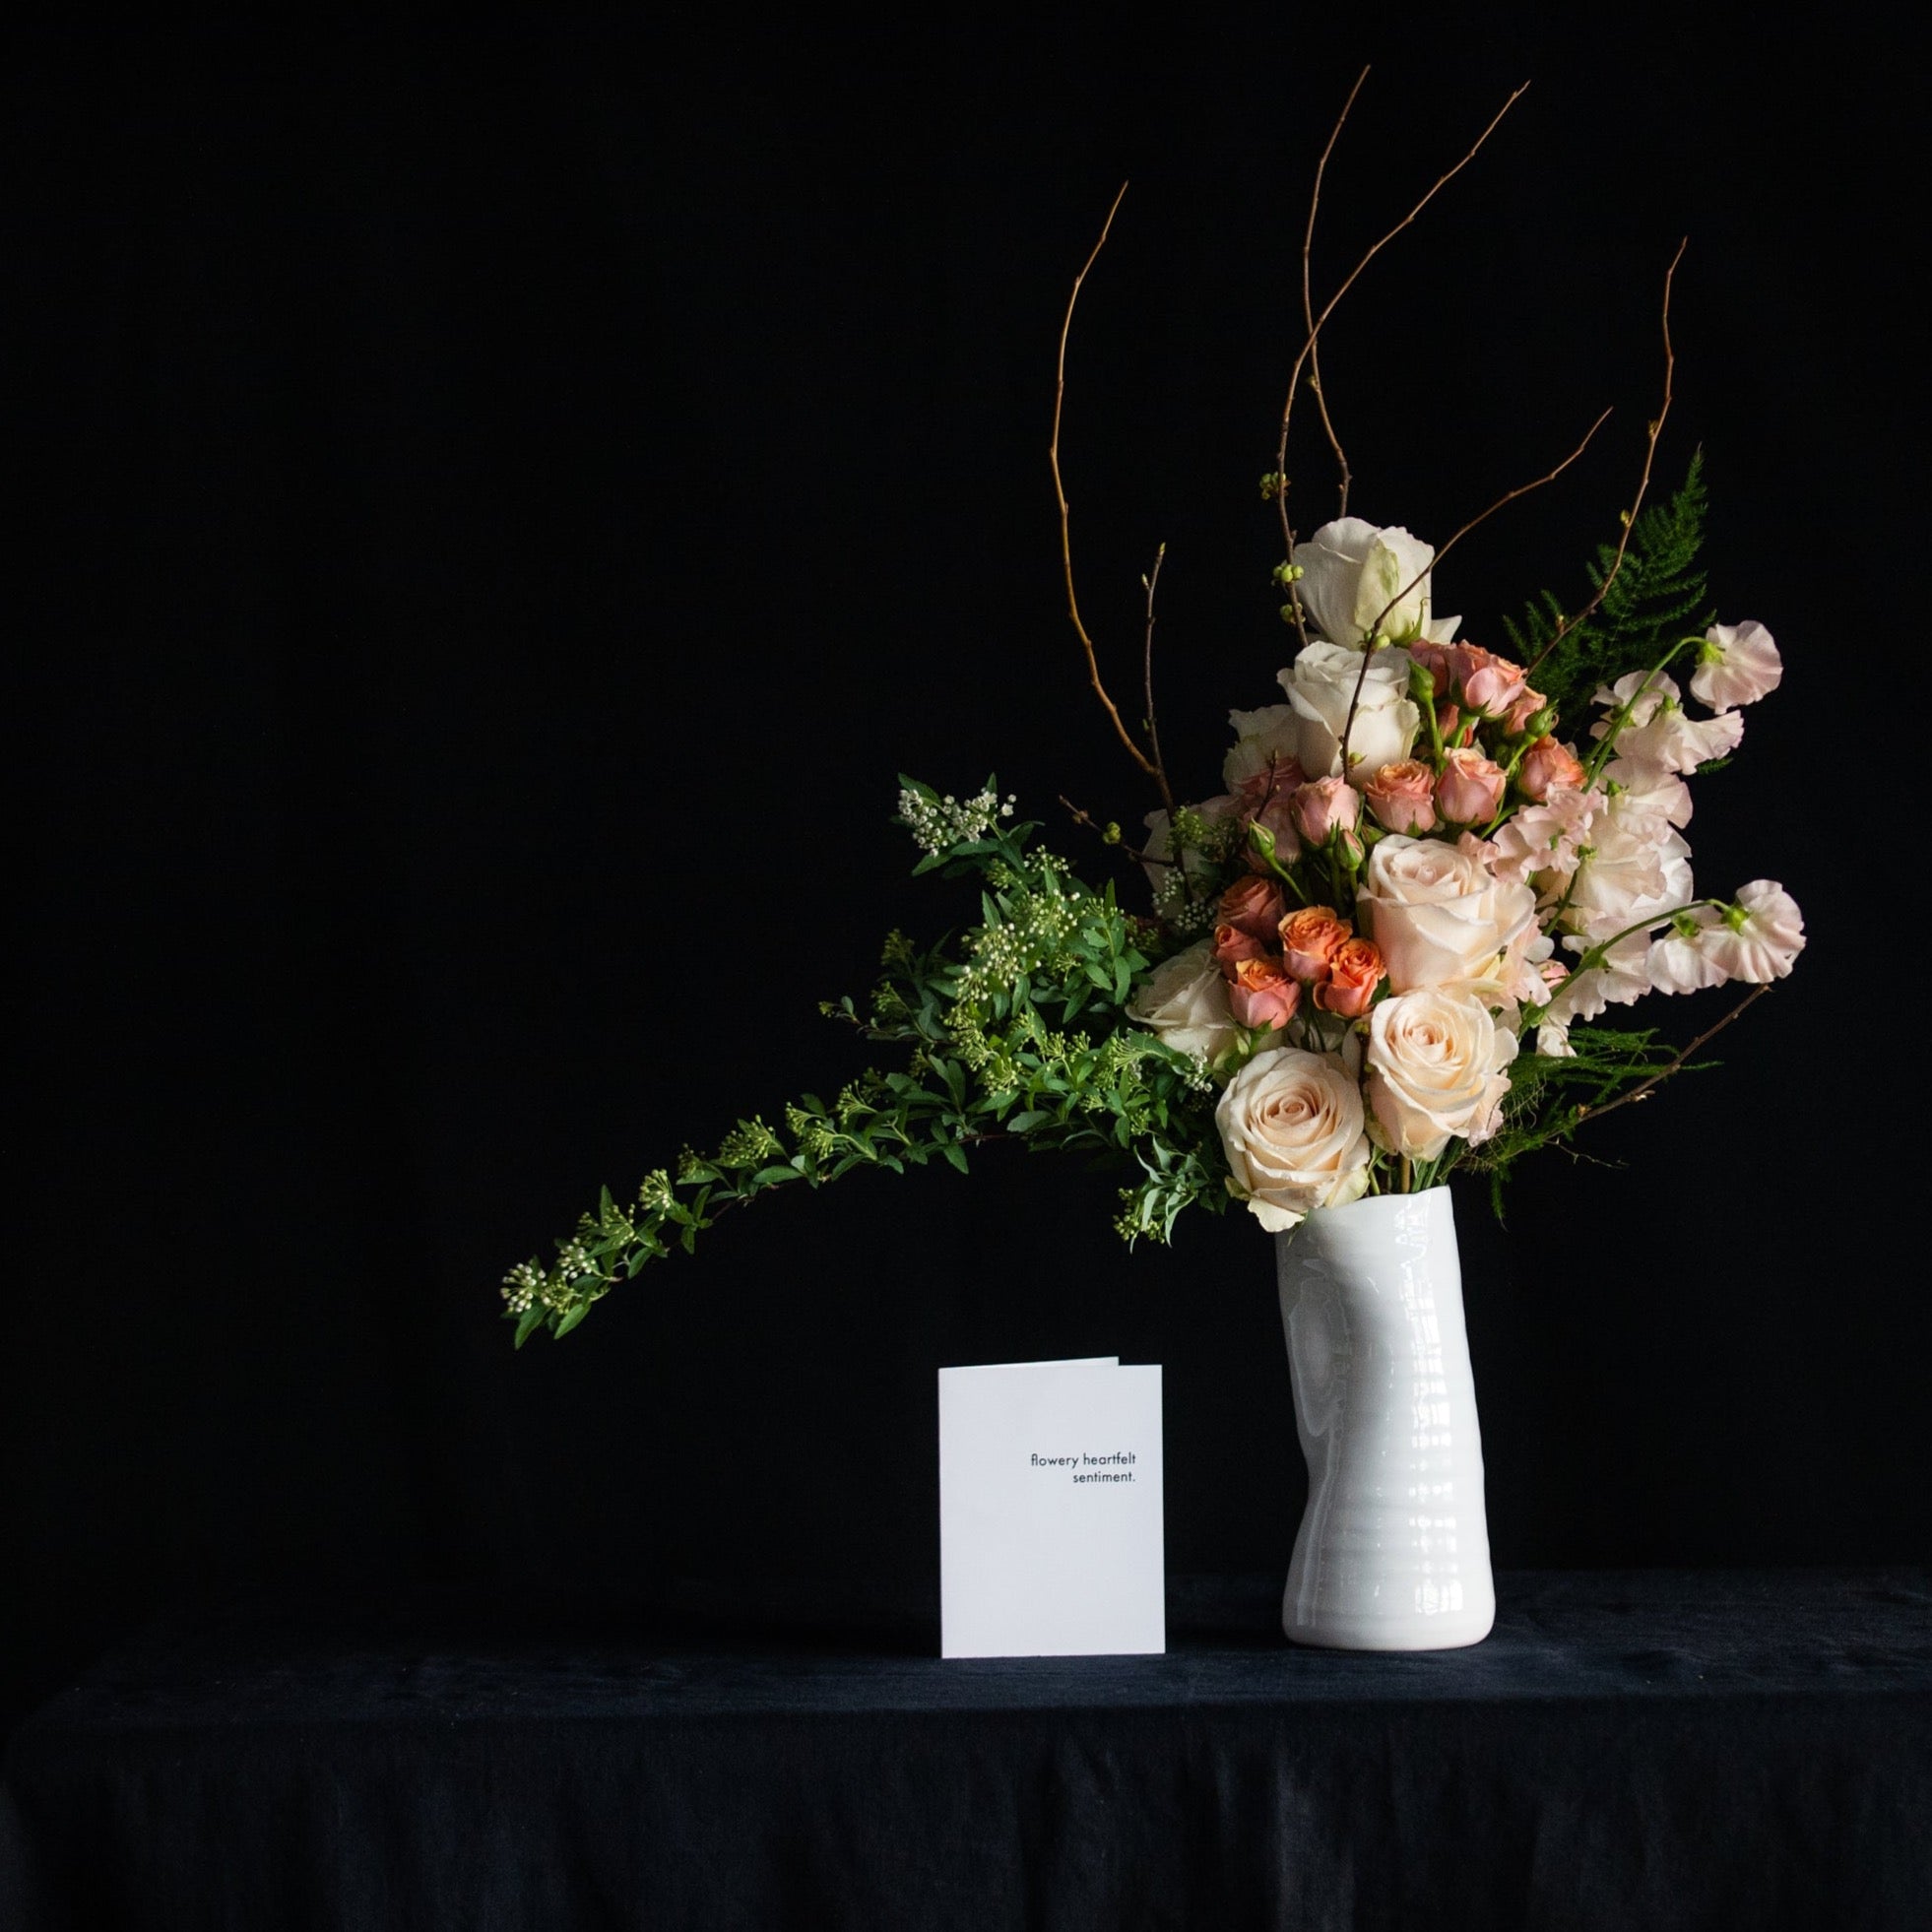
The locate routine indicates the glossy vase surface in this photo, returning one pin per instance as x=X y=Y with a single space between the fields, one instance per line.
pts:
x=1392 y=1553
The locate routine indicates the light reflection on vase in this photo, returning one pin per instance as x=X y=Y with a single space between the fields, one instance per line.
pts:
x=1392 y=1553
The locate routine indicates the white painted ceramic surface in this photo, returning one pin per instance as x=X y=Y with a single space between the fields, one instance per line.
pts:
x=1393 y=1550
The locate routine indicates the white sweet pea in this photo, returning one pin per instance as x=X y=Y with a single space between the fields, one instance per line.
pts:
x=1621 y=978
x=1353 y=572
x=1643 y=691
x=1758 y=939
x=1436 y=1061
x=1268 y=737
x=1654 y=788
x=1680 y=960
x=1440 y=916
x=1320 y=685
x=1291 y=1127
x=1738 y=665
x=1186 y=1001
x=1635 y=867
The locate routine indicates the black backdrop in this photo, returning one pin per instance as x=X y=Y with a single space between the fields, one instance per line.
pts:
x=490 y=513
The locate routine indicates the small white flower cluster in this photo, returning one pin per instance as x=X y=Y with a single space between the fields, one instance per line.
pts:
x=936 y=824
x=520 y=1286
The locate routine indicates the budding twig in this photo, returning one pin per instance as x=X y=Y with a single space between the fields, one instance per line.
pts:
x=1149 y=765
x=1316 y=325
x=1308 y=300
x=1655 y=429
x=1149 y=582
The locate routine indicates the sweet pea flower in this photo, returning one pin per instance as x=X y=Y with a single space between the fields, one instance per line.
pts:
x=1759 y=938
x=1738 y=665
x=1680 y=960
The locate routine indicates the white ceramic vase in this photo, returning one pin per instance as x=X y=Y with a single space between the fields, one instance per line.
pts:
x=1393 y=1550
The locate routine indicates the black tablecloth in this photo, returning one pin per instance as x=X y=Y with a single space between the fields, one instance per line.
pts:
x=1626 y=1751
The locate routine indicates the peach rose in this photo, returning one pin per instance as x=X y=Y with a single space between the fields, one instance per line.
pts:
x=1278 y=819
x=1252 y=904
x=1470 y=788
x=1354 y=973
x=1310 y=939
x=1260 y=994
x=1546 y=765
x=1402 y=797
x=1437 y=912
x=1435 y=1070
x=1325 y=805
x=1515 y=720
x=1231 y=946
x=1291 y=1127
x=1486 y=684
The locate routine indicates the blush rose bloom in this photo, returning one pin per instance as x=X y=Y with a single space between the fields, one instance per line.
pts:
x=1738 y=665
x=1260 y=993
x=1436 y=1061
x=1352 y=571
x=1546 y=765
x=1402 y=797
x=1325 y=805
x=1292 y=1128
x=1310 y=939
x=1253 y=904
x=1438 y=914
x=1232 y=944
x=1321 y=683
x=1186 y=1001
x=1354 y=973
x=1470 y=788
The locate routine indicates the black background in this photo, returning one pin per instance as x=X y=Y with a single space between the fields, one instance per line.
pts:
x=489 y=516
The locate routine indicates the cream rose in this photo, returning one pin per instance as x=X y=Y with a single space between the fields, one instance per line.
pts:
x=1291 y=1126
x=1186 y=1001
x=1320 y=685
x=1436 y=1061
x=1352 y=572
x=1438 y=914
x=1265 y=740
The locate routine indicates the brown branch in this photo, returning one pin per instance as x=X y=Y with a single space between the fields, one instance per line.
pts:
x=1149 y=583
x=1320 y=321
x=1134 y=751
x=1483 y=516
x=1139 y=858
x=1308 y=299
x=1756 y=993
x=1568 y=624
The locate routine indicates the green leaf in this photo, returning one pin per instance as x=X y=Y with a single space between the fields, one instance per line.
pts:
x=533 y=1320
x=571 y=1320
x=956 y=1154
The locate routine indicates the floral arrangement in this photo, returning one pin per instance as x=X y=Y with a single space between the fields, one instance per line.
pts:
x=1382 y=952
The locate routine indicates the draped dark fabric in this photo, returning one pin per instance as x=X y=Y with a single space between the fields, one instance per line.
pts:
x=1655 y=1750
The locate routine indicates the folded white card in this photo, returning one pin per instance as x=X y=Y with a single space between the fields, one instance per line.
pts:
x=1049 y=1510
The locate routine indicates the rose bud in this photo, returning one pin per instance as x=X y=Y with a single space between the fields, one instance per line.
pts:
x=1231 y=946
x=1310 y=939
x=1402 y=797
x=1276 y=818
x=1471 y=787
x=1260 y=994
x=1253 y=905
x=1447 y=718
x=1546 y=765
x=1325 y=805
x=1516 y=720
x=1354 y=973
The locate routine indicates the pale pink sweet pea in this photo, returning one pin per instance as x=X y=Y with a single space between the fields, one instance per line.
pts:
x=1402 y=797
x=1759 y=938
x=1680 y=959
x=1260 y=994
x=1546 y=765
x=1325 y=805
x=1738 y=665
x=1469 y=791
x=1542 y=841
